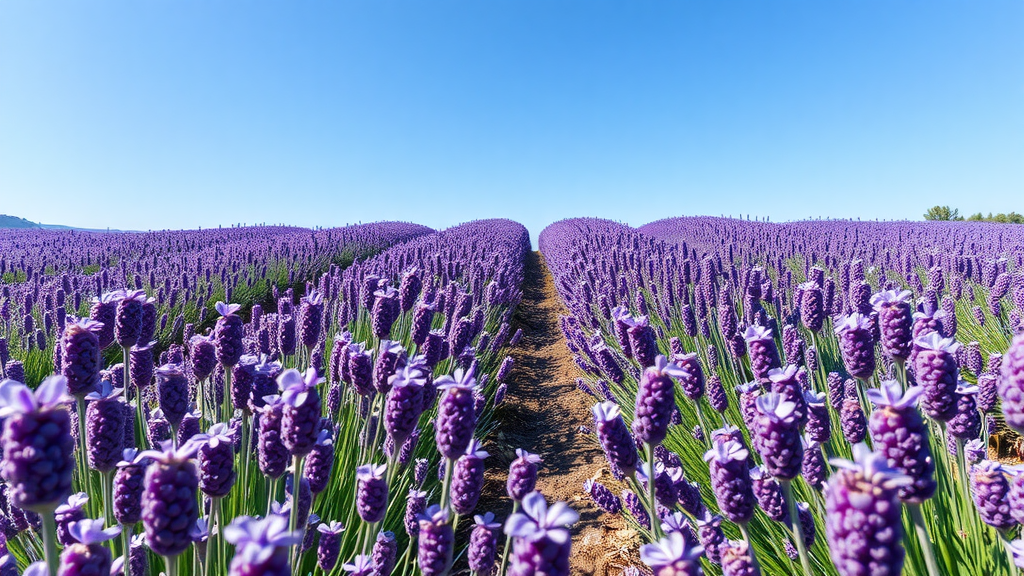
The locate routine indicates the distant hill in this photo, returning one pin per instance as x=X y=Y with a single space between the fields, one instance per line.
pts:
x=21 y=224
x=15 y=222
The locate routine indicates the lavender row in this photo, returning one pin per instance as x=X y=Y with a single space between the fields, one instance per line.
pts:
x=799 y=351
x=46 y=275
x=287 y=443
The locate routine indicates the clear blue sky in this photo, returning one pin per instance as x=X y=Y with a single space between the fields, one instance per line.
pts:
x=158 y=113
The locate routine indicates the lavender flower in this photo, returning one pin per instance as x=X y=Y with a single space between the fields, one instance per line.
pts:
x=37 y=443
x=415 y=504
x=936 y=371
x=673 y=555
x=203 y=355
x=692 y=382
x=468 y=479
x=991 y=490
x=311 y=310
x=540 y=537
x=228 y=334
x=104 y=312
x=319 y=462
x=1011 y=384
x=522 y=474
x=104 y=427
x=404 y=402
x=436 y=541
x=140 y=359
x=786 y=383
x=87 y=555
x=362 y=565
x=456 y=413
x=128 y=318
x=172 y=392
x=642 y=340
x=385 y=552
x=738 y=560
x=371 y=492
x=300 y=411
x=712 y=538
x=631 y=502
x=853 y=422
x=966 y=424
x=716 y=394
x=483 y=544
x=813 y=466
x=764 y=355
x=812 y=306
x=388 y=354
x=895 y=323
x=604 y=498
x=272 y=455
x=81 y=357
x=655 y=401
x=819 y=423
x=730 y=480
x=66 y=514
x=778 y=436
x=330 y=545
x=216 y=461
x=664 y=482
x=128 y=486
x=768 y=492
x=857 y=345
x=988 y=392
x=169 y=499
x=261 y=546
x=863 y=523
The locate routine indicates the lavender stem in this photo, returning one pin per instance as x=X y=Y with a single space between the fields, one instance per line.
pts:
x=923 y=539
x=50 y=541
x=798 y=534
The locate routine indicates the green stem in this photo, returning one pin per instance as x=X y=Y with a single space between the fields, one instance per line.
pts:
x=794 y=519
x=209 y=539
x=445 y=488
x=50 y=541
x=750 y=546
x=1005 y=539
x=407 y=557
x=172 y=565
x=271 y=496
x=81 y=437
x=652 y=499
x=924 y=539
x=80 y=457
x=126 y=542
x=293 y=514
x=245 y=456
x=108 y=497
x=508 y=545
x=703 y=424
x=226 y=404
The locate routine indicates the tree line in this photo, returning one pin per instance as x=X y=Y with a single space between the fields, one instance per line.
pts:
x=953 y=214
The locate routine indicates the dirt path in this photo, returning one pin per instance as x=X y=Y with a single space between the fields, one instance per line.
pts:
x=542 y=413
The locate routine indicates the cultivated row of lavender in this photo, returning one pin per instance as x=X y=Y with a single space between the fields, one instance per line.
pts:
x=46 y=276
x=289 y=443
x=817 y=381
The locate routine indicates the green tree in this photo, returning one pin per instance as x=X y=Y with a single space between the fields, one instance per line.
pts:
x=1011 y=218
x=942 y=213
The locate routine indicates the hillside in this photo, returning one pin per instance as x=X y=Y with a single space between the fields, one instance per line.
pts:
x=15 y=222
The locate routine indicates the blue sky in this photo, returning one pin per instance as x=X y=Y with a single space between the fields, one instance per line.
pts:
x=175 y=114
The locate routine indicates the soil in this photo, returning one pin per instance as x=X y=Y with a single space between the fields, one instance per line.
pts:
x=542 y=413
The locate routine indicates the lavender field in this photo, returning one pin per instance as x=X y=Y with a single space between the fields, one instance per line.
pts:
x=816 y=398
